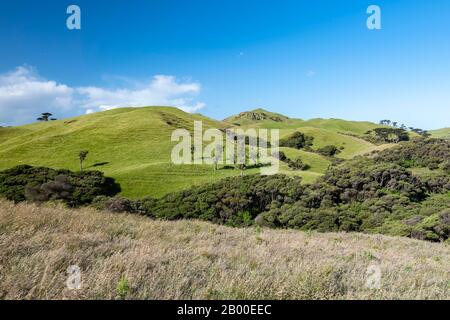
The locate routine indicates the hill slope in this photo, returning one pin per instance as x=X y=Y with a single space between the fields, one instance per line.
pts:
x=441 y=133
x=197 y=260
x=133 y=145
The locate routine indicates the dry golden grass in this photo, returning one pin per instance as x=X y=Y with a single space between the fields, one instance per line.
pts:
x=134 y=257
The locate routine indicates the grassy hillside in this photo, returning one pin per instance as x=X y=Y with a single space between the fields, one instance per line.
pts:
x=133 y=145
x=316 y=162
x=340 y=133
x=267 y=119
x=441 y=133
x=132 y=257
x=323 y=137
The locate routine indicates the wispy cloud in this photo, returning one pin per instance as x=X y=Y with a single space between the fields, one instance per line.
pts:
x=24 y=94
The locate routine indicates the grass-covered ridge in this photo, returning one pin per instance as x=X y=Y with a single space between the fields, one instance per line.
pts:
x=133 y=146
x=441 y=133
x=199 y=260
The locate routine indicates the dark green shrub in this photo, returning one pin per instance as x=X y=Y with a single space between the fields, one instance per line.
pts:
x=58 y=189
x=282 y=156
x=419 y=152
x=446 y=167
x=297 y=164
x=43 y=184
x=124 y=205
x=297 y=140
x=329 y=151
x=241 y=219
x=391 y=135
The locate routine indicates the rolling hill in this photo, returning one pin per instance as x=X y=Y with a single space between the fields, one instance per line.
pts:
x=133 y=145
x=441 y=133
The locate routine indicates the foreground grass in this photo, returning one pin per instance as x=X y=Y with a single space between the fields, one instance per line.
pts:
x=132 y=257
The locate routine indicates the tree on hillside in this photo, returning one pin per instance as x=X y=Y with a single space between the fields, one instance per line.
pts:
x=391 y=135
x=45 y=117
x=297 y=140
x=82 y=156
x=329 y=151
x=420 y=132
x=193 y=153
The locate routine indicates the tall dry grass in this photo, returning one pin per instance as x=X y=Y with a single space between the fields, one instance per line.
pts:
x=131 y=257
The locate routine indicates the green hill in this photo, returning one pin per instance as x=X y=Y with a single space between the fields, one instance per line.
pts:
x=133 y=145
x=441 y=133
x=341 y=133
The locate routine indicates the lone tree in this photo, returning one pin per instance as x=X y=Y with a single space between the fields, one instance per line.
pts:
x=82 y=155
x=45 y=117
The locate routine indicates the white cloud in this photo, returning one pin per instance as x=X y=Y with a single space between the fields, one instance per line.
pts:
x=24 y=95
x=161 y=90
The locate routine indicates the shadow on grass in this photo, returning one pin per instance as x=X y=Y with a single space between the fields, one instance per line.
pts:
x=99 y=164
x=247 y=167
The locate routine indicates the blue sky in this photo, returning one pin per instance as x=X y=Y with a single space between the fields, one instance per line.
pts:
x=305 y=59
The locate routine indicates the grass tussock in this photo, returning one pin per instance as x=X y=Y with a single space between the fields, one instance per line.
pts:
x=130 y=257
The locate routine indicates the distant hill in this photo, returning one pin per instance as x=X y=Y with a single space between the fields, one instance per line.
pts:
x=341 y=133
x=133 y=145
x=441 y=133
x=257 y=115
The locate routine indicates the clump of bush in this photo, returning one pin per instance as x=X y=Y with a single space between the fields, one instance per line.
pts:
x=297 y=140
x=446 y=167
x=420 y=152
x=329 y=151
x=296 y=164
x=119 y=204
x=42 y=184
x=390 y=135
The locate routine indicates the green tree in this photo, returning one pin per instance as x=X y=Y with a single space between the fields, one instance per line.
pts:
x=45 y=117
x=297 y=140
x=329 y=151
x=82 y=156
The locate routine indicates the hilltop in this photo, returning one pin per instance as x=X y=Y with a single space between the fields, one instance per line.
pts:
x=123 y=256
x=257 y=115
x=133 y=145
